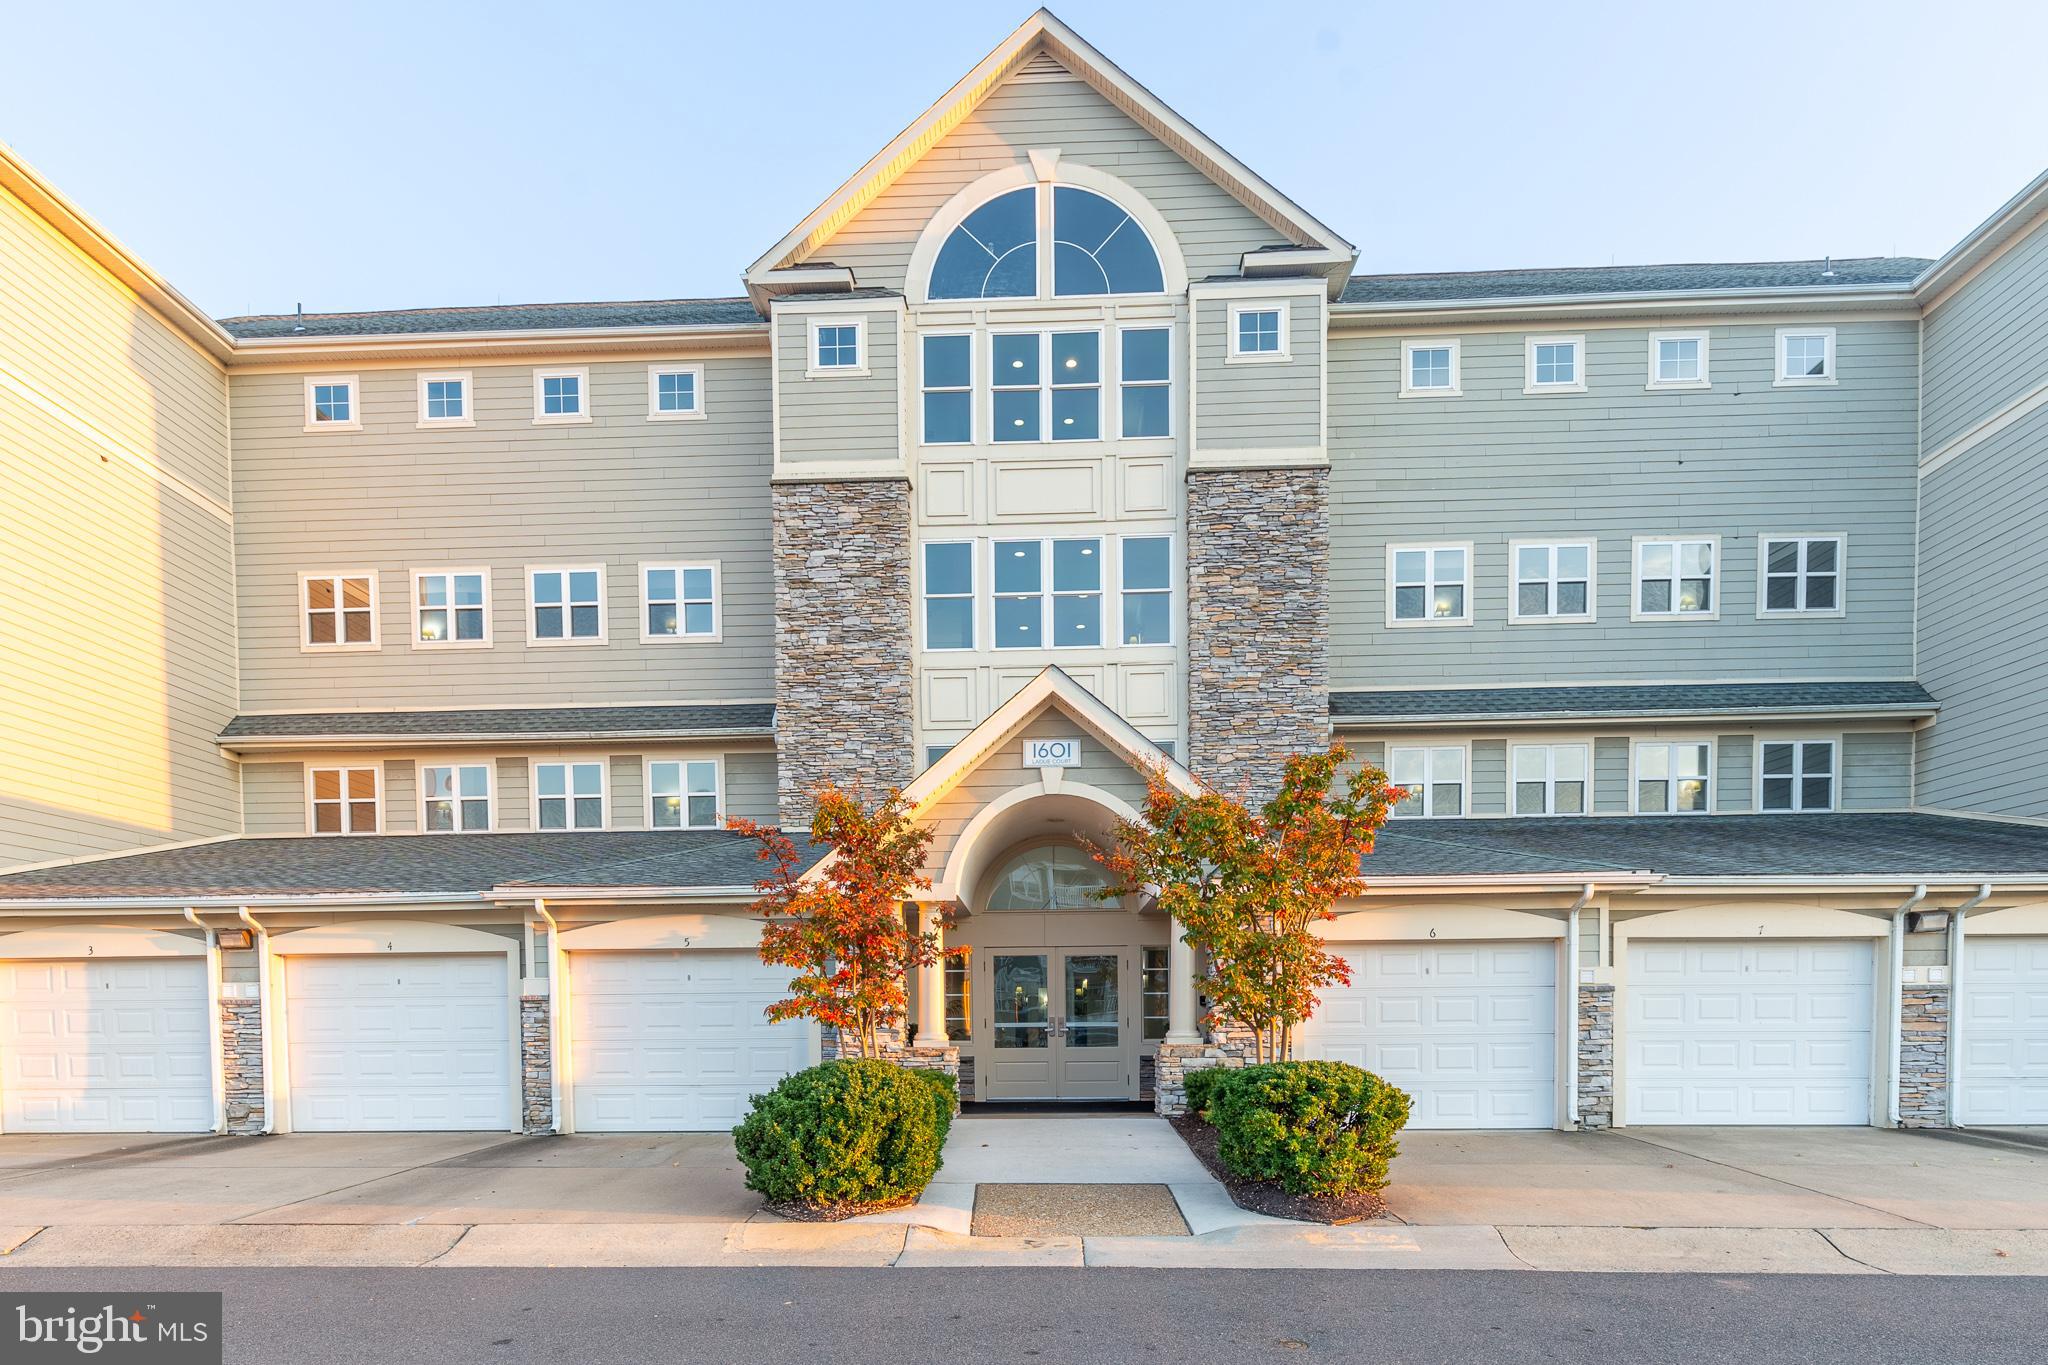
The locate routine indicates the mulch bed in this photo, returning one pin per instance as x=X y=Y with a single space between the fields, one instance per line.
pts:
x=832 y=1213
x=1266 y=1196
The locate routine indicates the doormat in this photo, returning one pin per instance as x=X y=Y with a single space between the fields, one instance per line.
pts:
x=1076 y=1211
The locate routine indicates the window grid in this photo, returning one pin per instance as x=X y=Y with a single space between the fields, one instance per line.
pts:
x=1797 y=775
x=1146 y=583
x=1145 y=379
x=949 y=595
x=675 y=392
x=1806 y=357
x=1155 y=991
x=948 y=389
x=567 y=604
x=450 y=608
x=959 y=1004
x=681 y=601
x=455 y=797
x=1553 y=581
x=683 y=793
x=1430 y=367
x=344 y=800
x=561 y=395
x=568 y=796
x=1673 y=778
x=1550 y=779
x=340 y=611
x=1046 y=386
x=836 y=346
x=1556 y=364
x=331 y=403
x=1801 y=575
x=1258 y=331
x=1675 y=578
x=1027 y=615
x=1432 y=776
x=445 y=400
x=1431 y=584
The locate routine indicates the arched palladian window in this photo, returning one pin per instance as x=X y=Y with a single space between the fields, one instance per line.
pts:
x=1097 y=248
x=1049 y=877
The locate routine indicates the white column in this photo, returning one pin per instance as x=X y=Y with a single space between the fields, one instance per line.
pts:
x=1180 y=991
x=931 y=986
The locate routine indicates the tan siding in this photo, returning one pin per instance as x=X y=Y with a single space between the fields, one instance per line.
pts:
x=274 y=798
x=827 y=418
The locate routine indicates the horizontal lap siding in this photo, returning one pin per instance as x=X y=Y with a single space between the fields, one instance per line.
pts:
x=1738 y=460
x=1004 y=771
x=1877 y=771
x=504 y=494
x=1264 y=404
x=837 y=417
x=1987 y=344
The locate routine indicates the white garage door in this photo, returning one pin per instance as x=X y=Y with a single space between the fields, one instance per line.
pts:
x=105 y=1045
x=1468 y=1029
x=676 y=1041
x=1749 y=1032
x=400 y=1043
x=2003 y=1075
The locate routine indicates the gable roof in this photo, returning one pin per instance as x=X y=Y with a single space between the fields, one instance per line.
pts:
x=1043 y=32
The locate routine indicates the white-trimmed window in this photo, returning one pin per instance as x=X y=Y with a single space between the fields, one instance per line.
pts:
x=1429 y=585
x=1796 y=775
x=1806 y=356
x=1675 y=578
x=948 y=388
x=445 y=399
x=1555 y=364
x=1553 y=580
x=338 y=611
x=949 y=594
x=569 y=795
x=1045 y=386
x=680 y=601
x=1258 y=331
x=1145 y=381
x=1673 y=778
x=566 y=605
x=333 y=403
x=1678 y=360
x=675 y=393
x=451 y=608
x=455 y=798
x=1550 y=779
x=561 y=396
x=1430 y=369
x=1433 y=777
x=1801 y=575
x=837 y=346
x=342 y=800
x=1048 y=594
x=684 y=793
x=1146 y=584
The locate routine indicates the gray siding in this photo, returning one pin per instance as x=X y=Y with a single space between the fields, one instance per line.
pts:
x=505 y=494
x=1490 y=777
x=1734 y=772
x=514 y=794
x=1610 y=775
x=1260 y=405
x=831 y=418
x=750 y=786
x=1737 y=460
x=1987 y=344
x=1877 y=771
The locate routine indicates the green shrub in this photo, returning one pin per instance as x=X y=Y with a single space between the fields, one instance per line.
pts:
x=1200 y=1084
x=1323 y=1128
x=946 y=1095
x=847 y=1132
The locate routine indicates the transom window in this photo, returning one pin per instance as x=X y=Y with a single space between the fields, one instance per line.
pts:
x=684 y=793
x=1798 y=775
x=1431 y=584
x=1050 y=877
x=1556 y=364
x=455 y=797
x=1027 y=616
x=331 y=403
x=948 y=389
x=1675 y=577
x=1147 y=590
x=1678 y=360
x=1671 y=779
x=1258 y=332
x=1802 y=574
x=568 y=604
x=1145 y=359
x=344 y=800
x=339 y=610
x=949 y=595
x=1553 y=582
x=568 y=795
x=1096 y=248
x=682 y=601
x=1806 y=356
x=1046 y=385
x=1429 y=367
x=449 y=608
x=444 y=400
x=1550 y=779
x=675 y=392
x=1433 y=778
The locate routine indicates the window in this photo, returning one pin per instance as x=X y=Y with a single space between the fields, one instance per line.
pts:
x=1802 y=575
x=1433 y=777
x=934 y=752
x=1430 y=585
x=1797 y=775
x=1097 y=248
x=444 y=400
x=1553 y=582
x=568 y=795
x=568 y=605
x=1026 y=617
x=1429 y=369
x=1025 y=406
x=949 y=595
x=958 y=1004
x=1156 y=992
x=684 y=793
x=948 y=389
x=455 y=797
x=1058 y=876
x=451 y=607
x=1258 y=332
x=342 y=800
x=993 y=254
x=1678 y=360
x=1145 y=374
x=681 y=601
x=1556 y=365
x=1675 y=578
x=675 y=393
x=1805 y=356
x=331 y=403
x=561 y=396
x=1550 y=779
x=837 y=347
x=1147 y=590
x=1671 y=779
x=339 y=610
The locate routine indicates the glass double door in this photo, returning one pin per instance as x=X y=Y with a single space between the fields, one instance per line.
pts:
x=1059 y=1025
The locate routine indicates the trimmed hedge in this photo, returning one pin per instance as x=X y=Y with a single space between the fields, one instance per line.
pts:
x=852 y=1132
x=1199 y=1084
x=1316 y=1128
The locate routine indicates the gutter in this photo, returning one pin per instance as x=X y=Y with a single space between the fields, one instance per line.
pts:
x=1898 y=1024
x=1955 y=994
x=247 y=743
x=1439 y=720
x=1635 y=301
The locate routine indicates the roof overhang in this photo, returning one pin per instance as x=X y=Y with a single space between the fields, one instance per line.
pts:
x=246 y=744
x=257 y=352
x=1879 y=299
x=2015 y=218
x=1548 y=719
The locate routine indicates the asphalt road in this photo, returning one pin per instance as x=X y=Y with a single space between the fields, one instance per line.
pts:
x=595 y=1317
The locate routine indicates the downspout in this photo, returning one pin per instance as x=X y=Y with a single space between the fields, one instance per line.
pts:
x=1897 y=1030
x=1955 y=993
x=263 y=962
x=1571 y=971
x=540 y=907
x=213 y=1032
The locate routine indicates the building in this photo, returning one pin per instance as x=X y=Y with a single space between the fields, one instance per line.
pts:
x=382 y=680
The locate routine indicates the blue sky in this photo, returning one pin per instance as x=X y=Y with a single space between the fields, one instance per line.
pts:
x=376 y=155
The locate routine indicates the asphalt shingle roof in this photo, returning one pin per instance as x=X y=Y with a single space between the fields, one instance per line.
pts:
x=1397 y=706
x=1474 y=285
x=510 y=317
x=551 y=722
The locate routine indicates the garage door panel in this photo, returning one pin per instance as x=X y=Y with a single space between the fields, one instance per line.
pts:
x=105 y=1045
x=2002 y=1068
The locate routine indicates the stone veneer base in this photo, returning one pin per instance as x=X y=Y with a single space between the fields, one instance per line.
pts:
x=536 y=1066
x=241 y=1048
x=1596 y=1055
x=1923 y=1056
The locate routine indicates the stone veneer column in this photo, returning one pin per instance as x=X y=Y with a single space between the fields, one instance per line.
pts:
x=1923 y=1056
x=241 y=1048
x=843 y=616
x=1258 y=622
x=536 y=1066
x=1596 y=1055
